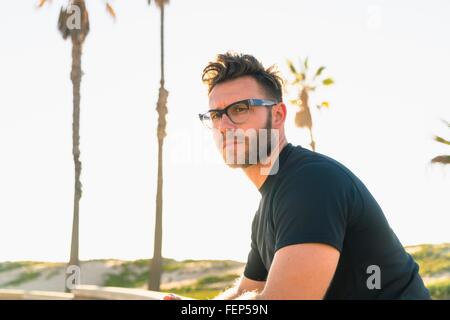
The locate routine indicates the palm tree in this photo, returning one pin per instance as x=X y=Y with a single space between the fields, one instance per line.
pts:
x=73 y=22
x=444 y=159
x=305 y=85
x=156 y=263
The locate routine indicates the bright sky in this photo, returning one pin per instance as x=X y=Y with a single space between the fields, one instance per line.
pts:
x=390 y=61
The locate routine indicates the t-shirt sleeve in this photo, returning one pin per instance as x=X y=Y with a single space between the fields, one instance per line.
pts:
x=311 y=206
x=255 y=269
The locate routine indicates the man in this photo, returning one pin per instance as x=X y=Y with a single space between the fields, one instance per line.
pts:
x=318 y=232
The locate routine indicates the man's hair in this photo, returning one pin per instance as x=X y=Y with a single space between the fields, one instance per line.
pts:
x=232 y=65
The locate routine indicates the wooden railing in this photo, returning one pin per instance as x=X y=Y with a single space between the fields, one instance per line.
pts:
x=12 y=294
x=83 y=292
x=114 y=293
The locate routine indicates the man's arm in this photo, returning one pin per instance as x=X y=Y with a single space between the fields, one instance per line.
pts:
x=242 y=285
x=300 y=271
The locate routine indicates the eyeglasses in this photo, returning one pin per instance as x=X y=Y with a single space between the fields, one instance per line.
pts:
x=238 y=112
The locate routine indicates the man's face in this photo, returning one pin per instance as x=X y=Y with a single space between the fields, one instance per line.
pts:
x=239 y=144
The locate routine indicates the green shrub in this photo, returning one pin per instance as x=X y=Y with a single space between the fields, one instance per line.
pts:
x=8 y=266
x=23 y=277
x=440 y=290
x=215 y=279
x=433 y=259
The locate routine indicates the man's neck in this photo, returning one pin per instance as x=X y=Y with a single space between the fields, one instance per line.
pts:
x=256 y=173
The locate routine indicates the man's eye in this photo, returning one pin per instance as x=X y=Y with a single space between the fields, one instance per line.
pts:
x=214 y=115
x=239 y=109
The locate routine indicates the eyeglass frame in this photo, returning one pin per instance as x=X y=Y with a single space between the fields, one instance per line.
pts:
x=248 y=102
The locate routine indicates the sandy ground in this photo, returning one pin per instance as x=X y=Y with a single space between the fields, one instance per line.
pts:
x=52 y=275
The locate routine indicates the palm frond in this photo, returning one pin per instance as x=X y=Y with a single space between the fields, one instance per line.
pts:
x=319 y=72
x=110 y=10
x=41 y=3
x=441 y=140
x=325 y=104
x=328 y=82
x=444 y=159
x=291 y=67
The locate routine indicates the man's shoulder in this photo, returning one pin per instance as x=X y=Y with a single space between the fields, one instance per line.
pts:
x=305 y=166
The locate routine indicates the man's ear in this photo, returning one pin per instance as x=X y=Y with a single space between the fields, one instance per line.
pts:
x=279 y=114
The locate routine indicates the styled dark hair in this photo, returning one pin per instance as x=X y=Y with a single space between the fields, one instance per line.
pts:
x=232 y=65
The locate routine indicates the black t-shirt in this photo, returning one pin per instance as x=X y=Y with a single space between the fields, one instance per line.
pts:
x=315 y=199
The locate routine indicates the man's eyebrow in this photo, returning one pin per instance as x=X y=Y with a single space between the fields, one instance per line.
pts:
x=220 y=106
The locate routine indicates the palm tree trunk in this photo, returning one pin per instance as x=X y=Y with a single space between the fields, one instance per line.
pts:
x=303 y=118
x=161 y=108
x=76 y=83
x=312 y=143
